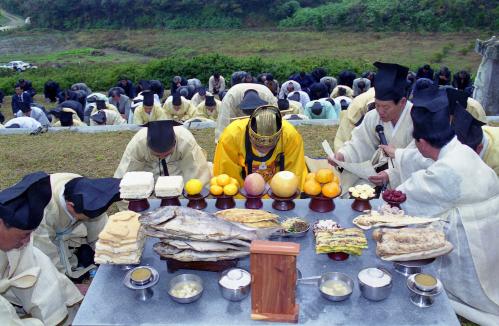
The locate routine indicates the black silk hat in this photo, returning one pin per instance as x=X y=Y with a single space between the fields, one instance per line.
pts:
x=92 y=197
x=23 y=204
x=391 y=81
x=148 y=98
x=99 y=117
x=251 y=101
x=161 y=135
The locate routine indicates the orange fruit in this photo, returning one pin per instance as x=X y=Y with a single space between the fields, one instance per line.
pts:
x=193 y=187
x=234 y=182
x=230 y=189
x=223 y=180
x=331 y=190
x=309 y=176
x=336 y=178
x=213 y=181
x=312 y=187
x=324 y=176
x=216 y=190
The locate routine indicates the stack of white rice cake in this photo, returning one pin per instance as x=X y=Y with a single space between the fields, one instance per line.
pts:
x=169 y=186
x=121 y=241
x=137 y=185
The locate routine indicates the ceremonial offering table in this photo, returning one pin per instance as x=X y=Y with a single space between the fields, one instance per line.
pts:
x=109 y=302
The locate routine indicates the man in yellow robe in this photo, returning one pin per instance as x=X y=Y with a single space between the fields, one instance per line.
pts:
x=263 y=143
x=27 y=277
x=148 y=111
x=179 y=108
x=68 y=118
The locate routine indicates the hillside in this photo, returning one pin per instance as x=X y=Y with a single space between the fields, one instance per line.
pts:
x=347 y=15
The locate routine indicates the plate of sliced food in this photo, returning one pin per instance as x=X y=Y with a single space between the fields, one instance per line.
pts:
x=407 y=244
x=388 y=216
x=331 y=238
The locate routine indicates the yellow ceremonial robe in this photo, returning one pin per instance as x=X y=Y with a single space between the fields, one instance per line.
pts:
x=108 y=107
x=230 y=154
x=491 y=154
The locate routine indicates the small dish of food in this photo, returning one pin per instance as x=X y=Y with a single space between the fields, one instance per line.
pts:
x=185 y=288
x=295 y=227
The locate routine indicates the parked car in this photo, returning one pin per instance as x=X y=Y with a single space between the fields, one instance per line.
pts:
x=18 y=65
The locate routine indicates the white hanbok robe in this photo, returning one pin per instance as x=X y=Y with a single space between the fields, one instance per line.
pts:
x=462 y=190
x=28 y=279
x=364 y=145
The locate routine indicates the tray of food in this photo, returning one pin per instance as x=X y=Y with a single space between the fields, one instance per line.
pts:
x=295 y=227
x=388 y=216
x=408 y=244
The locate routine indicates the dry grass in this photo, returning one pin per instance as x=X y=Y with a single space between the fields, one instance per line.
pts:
x=412 y=49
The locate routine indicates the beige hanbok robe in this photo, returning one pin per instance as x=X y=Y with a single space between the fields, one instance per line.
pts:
x=203 y=113
x=59 y=234
x=188 y=159
x=112 y=118
x=187 y=110
x=28 y=279
x=140 y=117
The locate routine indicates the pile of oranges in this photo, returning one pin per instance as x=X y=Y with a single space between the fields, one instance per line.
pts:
x=324 y=182
x=224 y=184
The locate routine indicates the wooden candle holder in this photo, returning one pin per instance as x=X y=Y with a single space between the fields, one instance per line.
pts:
x=273 y=288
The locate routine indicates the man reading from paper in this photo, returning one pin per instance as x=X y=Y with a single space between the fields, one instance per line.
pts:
x=361 y=156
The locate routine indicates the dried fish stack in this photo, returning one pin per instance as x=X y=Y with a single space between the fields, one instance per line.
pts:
x=190 y=235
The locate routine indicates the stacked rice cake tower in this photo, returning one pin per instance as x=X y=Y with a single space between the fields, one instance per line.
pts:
x=121 y=241
x=137 y=185
x=169 y=186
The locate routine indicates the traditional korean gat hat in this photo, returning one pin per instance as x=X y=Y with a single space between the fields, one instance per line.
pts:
x=251 y=101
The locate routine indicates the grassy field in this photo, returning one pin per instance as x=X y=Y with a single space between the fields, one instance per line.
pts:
x=413 y=49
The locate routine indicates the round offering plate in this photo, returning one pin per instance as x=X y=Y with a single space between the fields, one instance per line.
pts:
x=338 y=256
x=321 y=204
x=197 y=201
x=142 y=292
x=253 y=202
x=420 y=298
x=138 y=205
x=225 y=202
x=360 y=204
x=407 y=268
x=283 y=204
x=170 y=201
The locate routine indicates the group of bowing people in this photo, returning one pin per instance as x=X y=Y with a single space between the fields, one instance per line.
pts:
x=437 y=150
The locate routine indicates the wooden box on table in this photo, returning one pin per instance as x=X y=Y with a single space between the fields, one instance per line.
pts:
x=273 y=288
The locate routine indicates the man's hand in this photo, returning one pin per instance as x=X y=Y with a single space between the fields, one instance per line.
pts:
x=338 y=156
x=380 y=179
x=389 y=150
